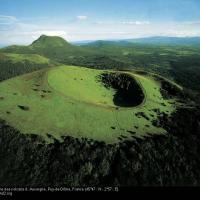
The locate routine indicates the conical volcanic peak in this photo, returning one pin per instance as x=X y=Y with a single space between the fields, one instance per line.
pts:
x=50 y=41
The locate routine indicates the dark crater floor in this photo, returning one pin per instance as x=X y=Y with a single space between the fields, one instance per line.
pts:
x=128 y=91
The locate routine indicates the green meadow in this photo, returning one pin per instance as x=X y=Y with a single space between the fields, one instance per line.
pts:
x=72 y=101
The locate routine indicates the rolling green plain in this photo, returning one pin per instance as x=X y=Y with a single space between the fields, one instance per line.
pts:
x=72 y=101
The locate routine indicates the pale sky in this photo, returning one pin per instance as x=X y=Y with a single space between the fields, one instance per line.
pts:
x=22 y=21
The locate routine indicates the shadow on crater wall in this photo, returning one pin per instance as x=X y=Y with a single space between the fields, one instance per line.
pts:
x=128 y=92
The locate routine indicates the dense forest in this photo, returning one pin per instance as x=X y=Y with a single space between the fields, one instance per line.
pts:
x=168 y=160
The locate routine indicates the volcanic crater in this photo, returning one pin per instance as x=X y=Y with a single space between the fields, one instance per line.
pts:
x=128 y=92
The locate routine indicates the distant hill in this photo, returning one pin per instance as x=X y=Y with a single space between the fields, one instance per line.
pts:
x=52 y=47
x=83 y=42
x=3 y=45
x=148 y=40
x=50 y=41
x=167 y=40
x=102 y=43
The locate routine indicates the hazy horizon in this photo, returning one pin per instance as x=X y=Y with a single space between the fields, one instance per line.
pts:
x=23 y=21
x=89 y=41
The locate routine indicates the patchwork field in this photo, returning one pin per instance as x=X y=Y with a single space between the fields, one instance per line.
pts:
x=103 y=105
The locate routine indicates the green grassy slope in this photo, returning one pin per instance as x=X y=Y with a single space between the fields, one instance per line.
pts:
x=12 y=64
x=37 y=59
x=52 y=47
x=71 y=101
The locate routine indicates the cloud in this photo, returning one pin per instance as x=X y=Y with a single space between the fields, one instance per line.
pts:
x=81 y=17
x=5 y=19
x=13 y=30
x=7 y=22
x=135 y=22
x=118 y=33
x=193 y=22
x=181 y=33
x=17 y=31
x=123 y=22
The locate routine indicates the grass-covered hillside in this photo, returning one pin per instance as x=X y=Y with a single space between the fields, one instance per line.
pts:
x=53 y=47
x=12 y=64
x=107 y=106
